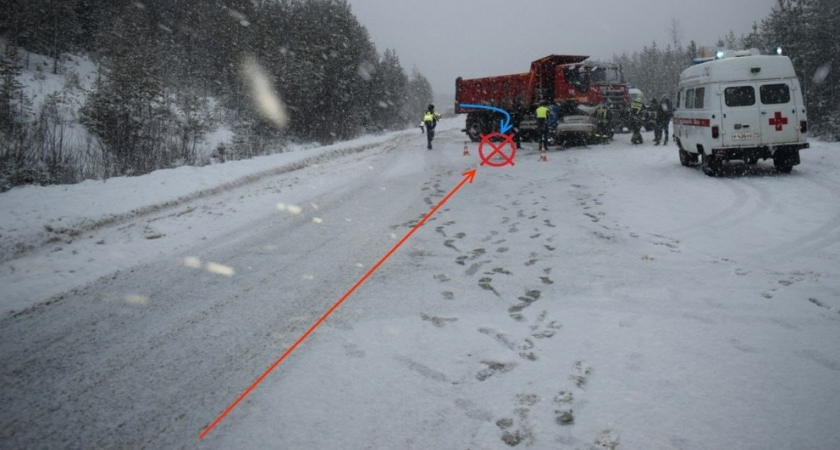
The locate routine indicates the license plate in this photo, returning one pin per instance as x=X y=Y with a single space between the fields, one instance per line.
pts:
x=745 y=136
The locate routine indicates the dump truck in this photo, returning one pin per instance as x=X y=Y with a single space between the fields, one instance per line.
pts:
x=568 y=83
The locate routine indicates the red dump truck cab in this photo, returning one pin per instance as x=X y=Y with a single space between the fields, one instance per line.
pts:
x=569 y=80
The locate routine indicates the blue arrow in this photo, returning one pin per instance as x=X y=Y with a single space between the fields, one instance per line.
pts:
x=504 y=125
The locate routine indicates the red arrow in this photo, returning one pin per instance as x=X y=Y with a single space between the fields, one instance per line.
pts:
x=468 y=176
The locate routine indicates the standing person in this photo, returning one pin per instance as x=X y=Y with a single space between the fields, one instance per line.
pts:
x=516 y=121
x=636 y=109
x=603 y=122
x=542 y=114
x=665 y=113
x=653 y=116
x=430 y=120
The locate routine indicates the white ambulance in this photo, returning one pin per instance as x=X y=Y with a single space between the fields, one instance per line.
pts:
x=740 y=105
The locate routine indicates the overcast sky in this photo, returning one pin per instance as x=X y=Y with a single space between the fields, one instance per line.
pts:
x=476 y=38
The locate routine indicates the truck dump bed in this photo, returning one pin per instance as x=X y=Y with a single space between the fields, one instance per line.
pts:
x=502 y=90
x=507 y=90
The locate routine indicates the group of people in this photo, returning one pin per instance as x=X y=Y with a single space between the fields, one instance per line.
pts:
x=658 y=112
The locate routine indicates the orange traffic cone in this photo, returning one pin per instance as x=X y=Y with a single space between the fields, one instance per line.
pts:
x=543 y=155
x=466 y=150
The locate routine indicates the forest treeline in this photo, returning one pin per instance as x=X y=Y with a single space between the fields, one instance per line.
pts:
x=808 y=31
x=170 y=72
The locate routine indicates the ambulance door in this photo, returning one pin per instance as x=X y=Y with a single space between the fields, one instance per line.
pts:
x=741 y=124
x=779 y=123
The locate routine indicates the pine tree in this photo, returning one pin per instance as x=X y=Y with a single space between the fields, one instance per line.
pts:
x=419 y=94
x=807 y=32
x=753 y=39
x=164 y=59
x=392 y=83
x=821 y=54
x=14 y=105
x=126 y=109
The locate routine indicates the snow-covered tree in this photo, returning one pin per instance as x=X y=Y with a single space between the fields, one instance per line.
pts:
x=163 y=62
x=807 y=30
x=126 y=110
x=391 y=95
x=420 y=94
x=14 y=105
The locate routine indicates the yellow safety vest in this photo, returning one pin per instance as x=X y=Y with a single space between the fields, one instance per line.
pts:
x=602 y=113
x=429 y=117
x=542 y=112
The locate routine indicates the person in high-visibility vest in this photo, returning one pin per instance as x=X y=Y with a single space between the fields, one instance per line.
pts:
x=430 y=120
x=636 y=108
x=542 y=114
x=603 y=122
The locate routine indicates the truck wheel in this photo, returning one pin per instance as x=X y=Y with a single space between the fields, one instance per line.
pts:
x=711 y=165
x=474 y=132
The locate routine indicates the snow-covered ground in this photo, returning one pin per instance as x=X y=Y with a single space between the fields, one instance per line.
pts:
x=606 y=298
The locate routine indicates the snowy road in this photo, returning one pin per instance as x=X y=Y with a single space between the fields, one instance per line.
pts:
x=608 y=297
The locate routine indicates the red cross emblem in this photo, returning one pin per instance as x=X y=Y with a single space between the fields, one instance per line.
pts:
x=778 y=121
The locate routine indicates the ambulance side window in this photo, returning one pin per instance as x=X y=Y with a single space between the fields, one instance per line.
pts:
x=699 y=96
x=774 y=94
x=739 y=96
x=689 y=99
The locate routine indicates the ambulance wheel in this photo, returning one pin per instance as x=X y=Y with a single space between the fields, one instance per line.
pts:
x=785 y=160
x=782 y=166
x=711 y=165
x=685 y=158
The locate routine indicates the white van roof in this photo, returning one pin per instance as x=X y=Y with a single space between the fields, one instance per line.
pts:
x=742 y=68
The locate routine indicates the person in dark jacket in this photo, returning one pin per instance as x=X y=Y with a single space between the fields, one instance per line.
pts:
x=665 y=113
x=653 y=116
x=516 y=114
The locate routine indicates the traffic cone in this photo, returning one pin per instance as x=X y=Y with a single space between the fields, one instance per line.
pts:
x=543 y=155
x=466 y=150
